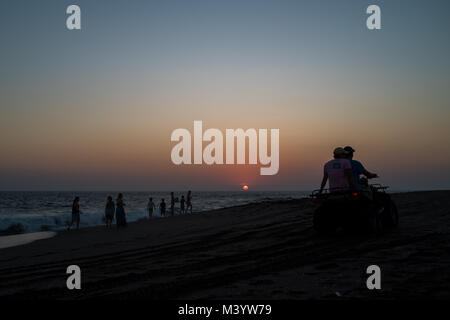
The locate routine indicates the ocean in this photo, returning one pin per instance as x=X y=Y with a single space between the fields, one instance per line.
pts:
x=25 y=212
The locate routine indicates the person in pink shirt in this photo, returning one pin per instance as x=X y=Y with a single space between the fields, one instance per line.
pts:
x=339 y=173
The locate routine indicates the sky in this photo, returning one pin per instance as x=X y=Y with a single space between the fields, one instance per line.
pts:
x=94 y=109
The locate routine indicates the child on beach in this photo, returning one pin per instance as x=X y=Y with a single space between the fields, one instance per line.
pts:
x=109 y=211
x=189 y=201
x=162 y=208
x=172 y=204
x=182 y=201
x=150 y=207
x=121 y=219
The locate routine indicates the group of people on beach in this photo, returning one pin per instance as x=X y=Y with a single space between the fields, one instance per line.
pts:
x=344 y=173
x=117 y=209
x=185 y=205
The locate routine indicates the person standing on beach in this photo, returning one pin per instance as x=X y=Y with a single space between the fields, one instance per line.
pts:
x=172 y=204
x=162 y=208
x=109 y=212
x=121 y=219
x=189 y=201
x=75 y=213
x=182 y=201
x=150 y=207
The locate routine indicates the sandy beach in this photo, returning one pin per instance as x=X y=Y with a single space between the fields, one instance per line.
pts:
x=256 y=251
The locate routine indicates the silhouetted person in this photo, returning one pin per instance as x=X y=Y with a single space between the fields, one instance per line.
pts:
x=121 y=219
x=172 y=204
x=339 y=172
x=150 y=207
x=162 y=208
x=189 y=202
x=75 y=213
x=110 y=208
x=358 y=169
x=182 y=201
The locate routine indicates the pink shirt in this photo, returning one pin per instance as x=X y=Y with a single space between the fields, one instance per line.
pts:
x=336 y=176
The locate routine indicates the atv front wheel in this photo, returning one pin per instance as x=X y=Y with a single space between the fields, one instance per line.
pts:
x=375 y=224
x=390 y=215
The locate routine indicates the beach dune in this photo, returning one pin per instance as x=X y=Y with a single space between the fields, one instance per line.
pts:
x=267 y=250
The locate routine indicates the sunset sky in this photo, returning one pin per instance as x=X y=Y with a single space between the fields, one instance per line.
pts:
x=94 y=109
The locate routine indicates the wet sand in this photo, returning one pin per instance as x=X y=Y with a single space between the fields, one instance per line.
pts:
x=21 y=239
x=256 y=251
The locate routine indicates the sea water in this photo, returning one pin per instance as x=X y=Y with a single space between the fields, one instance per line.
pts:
x=25 y=212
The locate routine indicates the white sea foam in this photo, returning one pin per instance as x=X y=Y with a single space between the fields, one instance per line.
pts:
x=26 y=212
x=21 y=239
x=22 y=223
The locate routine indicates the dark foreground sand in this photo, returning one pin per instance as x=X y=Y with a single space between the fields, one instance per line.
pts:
x=258 y=251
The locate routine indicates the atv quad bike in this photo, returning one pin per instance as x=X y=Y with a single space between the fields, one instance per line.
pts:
x=371 y=211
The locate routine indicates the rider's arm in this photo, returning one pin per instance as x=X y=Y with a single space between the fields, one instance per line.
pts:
x=369 y=174
x=324 y=181
x=365 y=172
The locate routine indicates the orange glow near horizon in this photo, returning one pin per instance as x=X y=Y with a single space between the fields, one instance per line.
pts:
x=245 y=188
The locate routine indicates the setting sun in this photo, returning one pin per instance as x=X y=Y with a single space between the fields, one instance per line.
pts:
x=245 y=188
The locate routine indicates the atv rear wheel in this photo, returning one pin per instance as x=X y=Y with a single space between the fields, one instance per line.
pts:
x=324 y=220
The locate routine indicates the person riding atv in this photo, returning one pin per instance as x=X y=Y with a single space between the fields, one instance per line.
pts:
x=350 y=203
x=338 y=171
x=357 y=168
